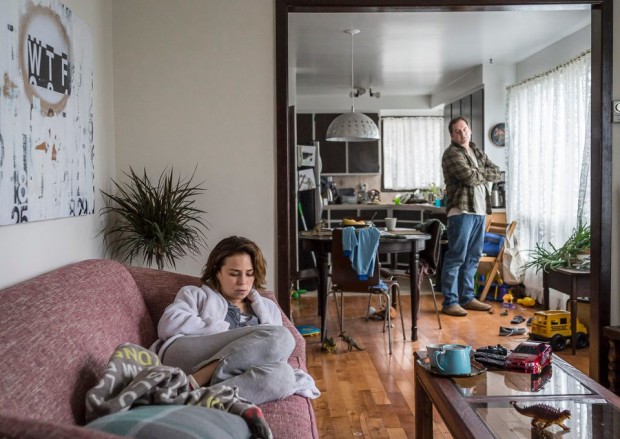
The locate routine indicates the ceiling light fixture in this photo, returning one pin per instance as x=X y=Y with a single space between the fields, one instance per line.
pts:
x=357 y=92
x=352 y=127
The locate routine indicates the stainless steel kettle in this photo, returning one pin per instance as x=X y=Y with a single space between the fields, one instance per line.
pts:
x=496 y=199
x=328 y=195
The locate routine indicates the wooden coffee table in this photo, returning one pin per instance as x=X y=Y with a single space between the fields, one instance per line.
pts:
x=479 y=406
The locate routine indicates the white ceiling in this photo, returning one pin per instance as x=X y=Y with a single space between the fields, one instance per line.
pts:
x=416 y=53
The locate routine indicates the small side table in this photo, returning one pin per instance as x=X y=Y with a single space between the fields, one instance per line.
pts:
x=613 y=374
x=575 y=283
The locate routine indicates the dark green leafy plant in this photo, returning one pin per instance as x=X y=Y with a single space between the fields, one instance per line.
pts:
x=565 y=256
x=154 y=221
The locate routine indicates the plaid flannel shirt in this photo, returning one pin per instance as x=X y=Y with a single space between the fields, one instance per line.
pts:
x=461 y=175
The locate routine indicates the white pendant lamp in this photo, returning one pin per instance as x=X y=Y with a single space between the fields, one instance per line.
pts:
x=352 y=127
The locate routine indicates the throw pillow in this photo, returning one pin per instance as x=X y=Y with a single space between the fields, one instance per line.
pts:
x=173 y=421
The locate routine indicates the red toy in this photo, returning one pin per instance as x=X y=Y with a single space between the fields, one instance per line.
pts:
x=529 y=357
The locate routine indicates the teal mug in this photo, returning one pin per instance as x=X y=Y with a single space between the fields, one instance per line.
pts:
x=454 y=359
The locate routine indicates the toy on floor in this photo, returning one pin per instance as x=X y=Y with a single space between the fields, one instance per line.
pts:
x=329 y=345
x=544 y=415
x=508 y=300
x=350 y=342
x=553 y=326
x=308 y=330
x=527 y=301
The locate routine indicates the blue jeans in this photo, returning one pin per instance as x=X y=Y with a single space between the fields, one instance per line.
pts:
x=465 y=241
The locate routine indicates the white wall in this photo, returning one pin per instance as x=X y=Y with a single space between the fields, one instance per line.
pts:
x=554 y=55
x=496 y=78
x=195 y=86
x=461 y=87
x=29 y=249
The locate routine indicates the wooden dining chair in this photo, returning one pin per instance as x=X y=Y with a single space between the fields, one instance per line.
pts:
x=503 y=229
x=345 y=279
x=428 y=263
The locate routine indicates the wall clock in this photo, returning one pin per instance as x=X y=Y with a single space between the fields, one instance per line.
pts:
x=498 y=134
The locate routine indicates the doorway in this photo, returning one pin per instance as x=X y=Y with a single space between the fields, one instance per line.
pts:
x=601 y=216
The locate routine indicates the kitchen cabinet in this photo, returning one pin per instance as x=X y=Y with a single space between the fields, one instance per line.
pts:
x=304 y=129
x=340 y=158
x=477 y=118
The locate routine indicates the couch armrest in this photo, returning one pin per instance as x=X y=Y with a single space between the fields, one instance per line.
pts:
x=20 y=427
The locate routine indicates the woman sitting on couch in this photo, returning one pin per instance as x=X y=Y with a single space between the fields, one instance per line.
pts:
x=225 y=332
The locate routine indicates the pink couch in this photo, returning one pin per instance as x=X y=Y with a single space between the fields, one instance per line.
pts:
x=57 y=332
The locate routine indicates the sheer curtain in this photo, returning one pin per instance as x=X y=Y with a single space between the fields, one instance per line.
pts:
x=548 y=151
x=412 y=148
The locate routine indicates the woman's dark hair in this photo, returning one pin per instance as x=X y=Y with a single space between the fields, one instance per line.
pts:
x=234 y=245
x=455 y=120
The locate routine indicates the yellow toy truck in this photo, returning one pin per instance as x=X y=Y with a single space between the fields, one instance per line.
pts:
x=553 y=326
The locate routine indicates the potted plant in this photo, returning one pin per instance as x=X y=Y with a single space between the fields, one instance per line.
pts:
x=566 y=256
x=158 y=222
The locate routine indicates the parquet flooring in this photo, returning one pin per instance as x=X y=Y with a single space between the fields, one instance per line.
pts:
x=370 y=394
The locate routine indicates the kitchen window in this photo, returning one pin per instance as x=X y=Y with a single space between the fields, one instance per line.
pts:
x=412 y=149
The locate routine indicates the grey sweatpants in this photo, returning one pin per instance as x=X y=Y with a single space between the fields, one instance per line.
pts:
x=253 y=359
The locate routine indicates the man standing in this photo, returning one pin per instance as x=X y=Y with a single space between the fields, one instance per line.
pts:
x=466 y=171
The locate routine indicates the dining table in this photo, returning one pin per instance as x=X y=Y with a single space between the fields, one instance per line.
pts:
x=399 y=241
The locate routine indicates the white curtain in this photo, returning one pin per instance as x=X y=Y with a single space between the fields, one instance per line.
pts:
x=412 y=148
x=548 y=152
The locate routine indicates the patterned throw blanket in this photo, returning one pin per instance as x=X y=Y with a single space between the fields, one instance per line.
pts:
x=134 y=377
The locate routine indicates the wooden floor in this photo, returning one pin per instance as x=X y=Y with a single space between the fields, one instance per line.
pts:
x=370 y=394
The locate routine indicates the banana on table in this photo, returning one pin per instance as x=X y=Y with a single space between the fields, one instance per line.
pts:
x=352 y=222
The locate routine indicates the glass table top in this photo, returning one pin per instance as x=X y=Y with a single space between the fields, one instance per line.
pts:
x=551 y=382
x=589 y=418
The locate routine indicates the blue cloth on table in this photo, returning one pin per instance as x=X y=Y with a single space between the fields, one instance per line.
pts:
x=361 y=247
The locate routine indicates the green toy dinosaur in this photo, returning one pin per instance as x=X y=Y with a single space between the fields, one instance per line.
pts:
x=329 y=345
x=350 y=342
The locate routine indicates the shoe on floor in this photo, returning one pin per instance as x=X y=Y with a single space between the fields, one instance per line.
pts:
x=454 y=310
x=529 y=322
x=506 y=331
x=517 y=319
x=477 y=305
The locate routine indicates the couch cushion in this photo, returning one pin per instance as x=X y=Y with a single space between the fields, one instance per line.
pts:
x=57 y=331
x=173 y=421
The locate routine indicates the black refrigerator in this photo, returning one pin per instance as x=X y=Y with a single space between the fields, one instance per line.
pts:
x=309 y=204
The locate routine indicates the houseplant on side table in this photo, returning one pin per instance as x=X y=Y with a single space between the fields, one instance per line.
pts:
x=156 y=221
x=566 y=256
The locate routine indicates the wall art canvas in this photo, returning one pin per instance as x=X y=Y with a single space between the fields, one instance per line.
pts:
x=46 y=112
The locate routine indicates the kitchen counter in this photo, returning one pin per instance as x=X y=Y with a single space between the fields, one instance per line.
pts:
x=372 y=206
x=408 y=215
